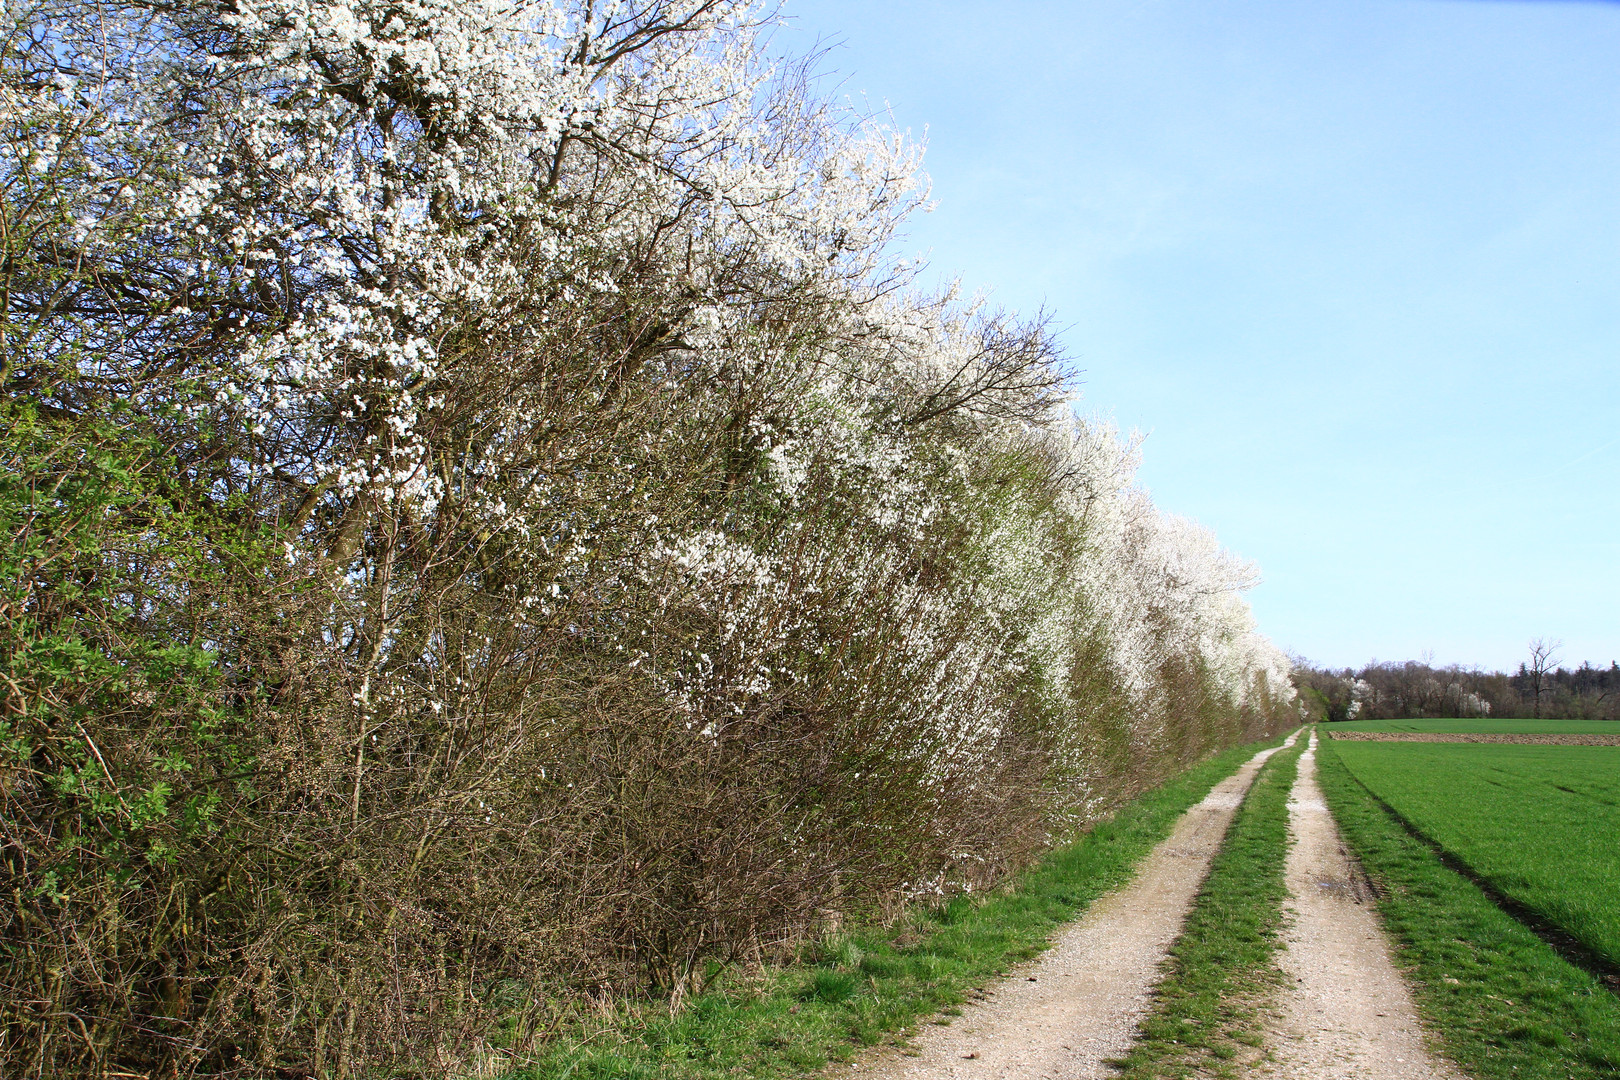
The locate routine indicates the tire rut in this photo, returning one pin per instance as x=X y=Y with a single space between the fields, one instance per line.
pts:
x=1067 y=1014
x=1346 y=1012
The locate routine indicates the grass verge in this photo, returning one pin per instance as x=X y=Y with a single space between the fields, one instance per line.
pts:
x=1500 y=1001
x=1223 y=966
x=874 y=981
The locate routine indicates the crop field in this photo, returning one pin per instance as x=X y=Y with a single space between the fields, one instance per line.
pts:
x=1503 y=1004
x=1537 y=823
x=1482 y=725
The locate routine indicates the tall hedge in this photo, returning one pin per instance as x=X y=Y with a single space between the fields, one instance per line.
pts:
x=487 y=523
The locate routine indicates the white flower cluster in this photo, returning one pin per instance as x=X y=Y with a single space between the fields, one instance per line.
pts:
x=592 y=302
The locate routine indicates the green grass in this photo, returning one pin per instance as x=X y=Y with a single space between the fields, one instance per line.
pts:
x=1501 y=1002
x=1539 y=824
x=1489 y=725
x=876 y=981
x=1222 y=968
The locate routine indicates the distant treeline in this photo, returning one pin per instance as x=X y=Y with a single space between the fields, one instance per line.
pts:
x=1412 y=689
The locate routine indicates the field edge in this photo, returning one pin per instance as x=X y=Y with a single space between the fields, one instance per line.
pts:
x=1496 y=998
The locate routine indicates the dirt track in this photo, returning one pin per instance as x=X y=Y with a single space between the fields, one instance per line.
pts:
x=1062 y=1017
x=1346 y=1013
x=1527 y=739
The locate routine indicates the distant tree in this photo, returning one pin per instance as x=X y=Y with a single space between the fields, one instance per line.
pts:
x=1543 y=661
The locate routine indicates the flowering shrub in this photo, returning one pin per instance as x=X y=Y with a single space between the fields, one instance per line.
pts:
x=488 y=524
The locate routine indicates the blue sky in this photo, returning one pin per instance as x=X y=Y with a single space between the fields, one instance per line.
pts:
x=1352 y=265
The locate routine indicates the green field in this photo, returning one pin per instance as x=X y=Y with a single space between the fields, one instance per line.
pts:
x=1540 y=824
x=1488 y=725
x=1501 y=1002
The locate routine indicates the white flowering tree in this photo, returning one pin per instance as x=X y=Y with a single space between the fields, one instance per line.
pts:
x=484 y=505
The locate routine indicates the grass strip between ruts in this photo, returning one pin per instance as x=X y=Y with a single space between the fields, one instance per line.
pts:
x=874 y=981
x=1500 y=1001
x=1222 y=969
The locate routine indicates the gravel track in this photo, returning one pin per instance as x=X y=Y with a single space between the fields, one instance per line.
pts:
x=1062 y=1017
x=1346 y=1012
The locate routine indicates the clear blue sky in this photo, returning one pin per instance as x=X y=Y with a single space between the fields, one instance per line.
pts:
x=1354 y=266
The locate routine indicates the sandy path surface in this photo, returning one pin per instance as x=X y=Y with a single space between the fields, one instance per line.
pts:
x=1063 y=1016
x=1347 y=1012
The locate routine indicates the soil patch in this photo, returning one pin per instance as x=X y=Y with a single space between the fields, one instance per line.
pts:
x=1526 y=739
